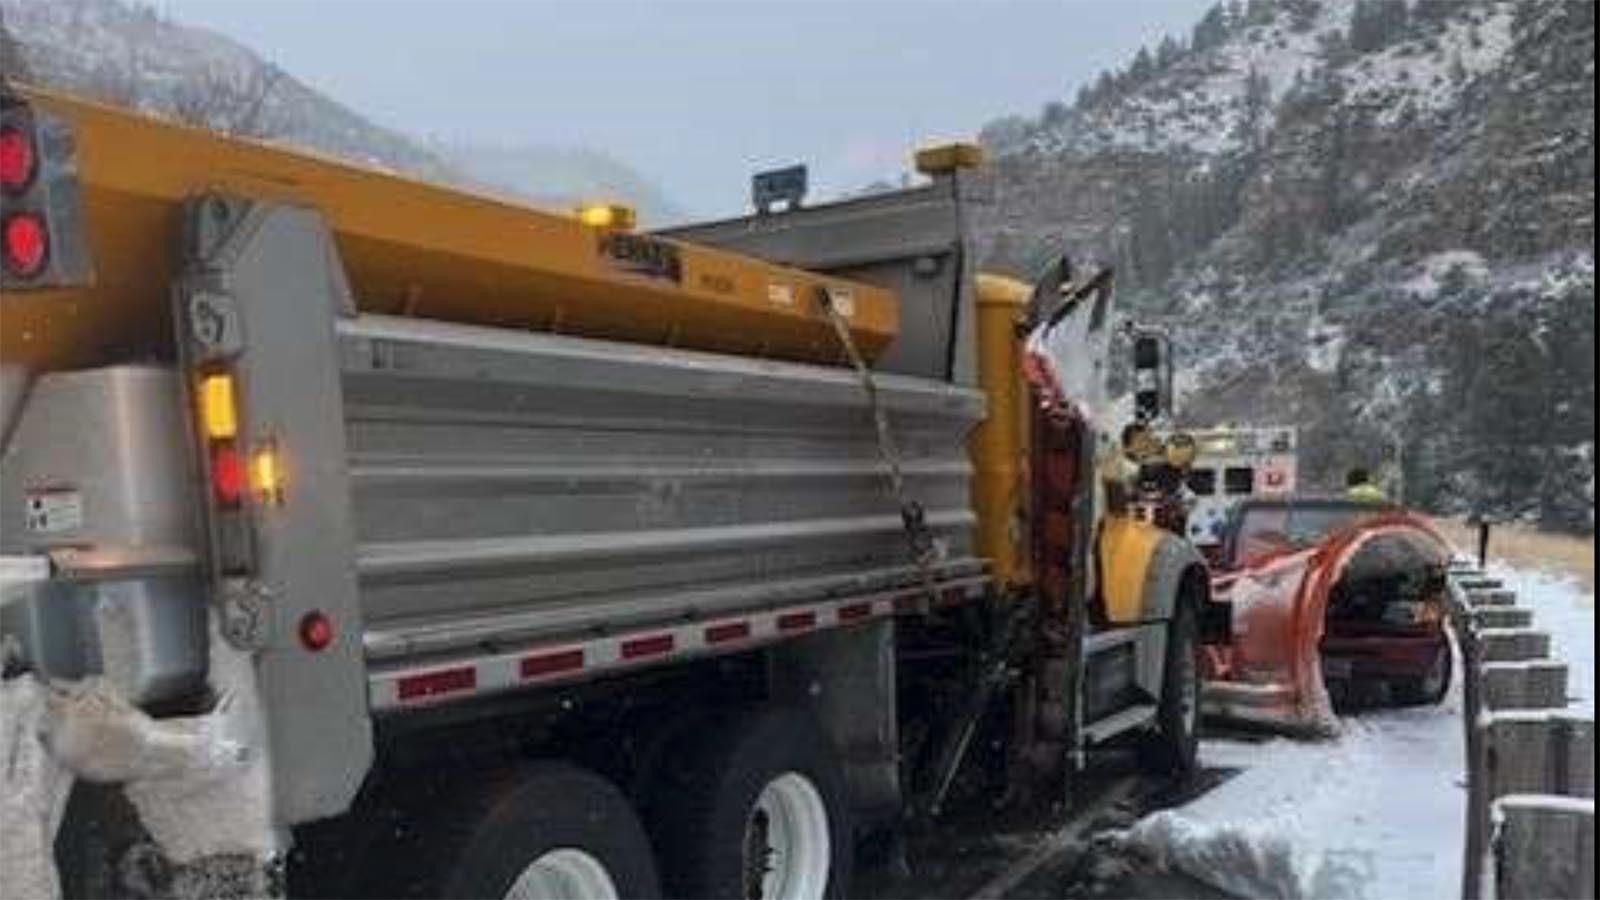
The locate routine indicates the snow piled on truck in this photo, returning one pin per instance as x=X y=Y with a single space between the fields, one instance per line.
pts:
x=200 y=784
x=1377 y=812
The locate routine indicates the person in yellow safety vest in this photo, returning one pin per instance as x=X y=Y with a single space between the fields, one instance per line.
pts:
x=1358 y=485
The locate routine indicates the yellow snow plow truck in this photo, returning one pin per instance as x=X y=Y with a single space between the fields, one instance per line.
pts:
x=368 y=537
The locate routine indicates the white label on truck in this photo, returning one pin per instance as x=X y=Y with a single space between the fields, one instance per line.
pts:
x=780 y=294
x=53 y=510
x=845 y=303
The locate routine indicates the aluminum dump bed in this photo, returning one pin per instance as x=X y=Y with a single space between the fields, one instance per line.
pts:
x=515 y=488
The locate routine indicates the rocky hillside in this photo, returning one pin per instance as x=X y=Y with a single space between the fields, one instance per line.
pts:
x=129 y=54
x=1373 y=218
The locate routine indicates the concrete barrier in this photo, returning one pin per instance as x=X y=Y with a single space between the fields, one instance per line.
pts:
x=1513 y=644
x=1502 y=617
x=1532 y=684
x=1544 y=846
x=1530 y=762
x=1540 y=752
x=1479 y=599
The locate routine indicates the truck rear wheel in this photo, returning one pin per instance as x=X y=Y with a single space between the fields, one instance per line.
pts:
x=542 y=830
x=755 y=807
x=1174 y=747
x=556 y=832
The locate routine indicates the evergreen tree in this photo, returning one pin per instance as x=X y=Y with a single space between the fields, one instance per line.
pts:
x=1168 y=53
x=1211 y=30
x=1259 y=12
x=1143 y=66
x=11 y=61
x=1256 y=106
x=1054 y=114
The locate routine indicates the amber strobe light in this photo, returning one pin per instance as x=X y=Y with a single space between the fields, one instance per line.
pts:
x=219 y=414
x=266 y=474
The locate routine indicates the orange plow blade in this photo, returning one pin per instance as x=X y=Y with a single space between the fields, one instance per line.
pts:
x=1291 y=618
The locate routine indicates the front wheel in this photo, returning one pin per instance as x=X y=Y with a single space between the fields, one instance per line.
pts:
x=1174 y=746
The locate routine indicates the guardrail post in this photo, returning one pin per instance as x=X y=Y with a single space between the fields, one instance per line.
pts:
x=1502 y=617
x=1540 y=752
x=1475 y=847
x=1513 y=644
x=1537 y=684
x=1530 y=762
x=1544 y=846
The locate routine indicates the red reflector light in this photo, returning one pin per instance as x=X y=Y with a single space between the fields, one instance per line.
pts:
x=654 y=645
x=551 y=663
x=316 y=631
x=432 y=684
x=17 y=160
x=797 y=621
x=854 y=611
x=228 y=476
x=27 y=244
x=727 y=631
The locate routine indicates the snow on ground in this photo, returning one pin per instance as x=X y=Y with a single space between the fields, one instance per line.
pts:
x=1565 y=609
x=1377 y=812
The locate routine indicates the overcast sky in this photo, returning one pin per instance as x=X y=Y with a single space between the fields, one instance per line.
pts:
x=696 y=95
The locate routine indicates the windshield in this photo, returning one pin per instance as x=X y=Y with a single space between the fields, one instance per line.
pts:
x=1266 y=530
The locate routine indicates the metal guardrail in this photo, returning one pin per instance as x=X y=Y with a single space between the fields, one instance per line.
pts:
x=1530 y=761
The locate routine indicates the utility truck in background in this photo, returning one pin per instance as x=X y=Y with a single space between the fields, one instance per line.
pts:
x=1234 y=463
x=368 y=537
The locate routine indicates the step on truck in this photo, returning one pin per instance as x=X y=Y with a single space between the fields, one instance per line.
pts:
x=368 y=537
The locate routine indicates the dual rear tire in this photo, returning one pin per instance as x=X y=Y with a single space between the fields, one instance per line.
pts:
x=544 y=830
x=753 y=806
x=747 y=806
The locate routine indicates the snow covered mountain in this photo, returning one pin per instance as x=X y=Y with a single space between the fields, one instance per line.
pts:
x=1373 y=218
x=130 y=54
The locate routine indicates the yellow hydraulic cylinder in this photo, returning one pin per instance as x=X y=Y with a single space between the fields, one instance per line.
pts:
x=999 y=446
x=408 y=248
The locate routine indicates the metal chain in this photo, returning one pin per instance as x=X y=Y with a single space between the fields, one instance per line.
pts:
x=925 y=550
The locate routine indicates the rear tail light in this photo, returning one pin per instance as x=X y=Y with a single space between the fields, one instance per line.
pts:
x=43 y=243
x=228 y=476
x=27 y=244
x=18 y=161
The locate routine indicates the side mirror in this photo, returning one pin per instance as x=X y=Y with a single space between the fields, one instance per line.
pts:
x=1152 y=376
